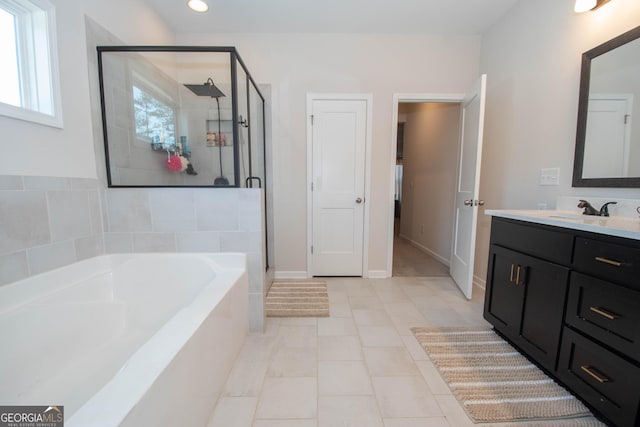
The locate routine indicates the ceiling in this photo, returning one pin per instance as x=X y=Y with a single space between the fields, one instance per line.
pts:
x=335 y=16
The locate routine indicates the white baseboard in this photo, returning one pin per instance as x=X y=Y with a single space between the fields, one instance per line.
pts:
x=479 y=282
x=290 y=275
x=427 y=251
x=378 y=274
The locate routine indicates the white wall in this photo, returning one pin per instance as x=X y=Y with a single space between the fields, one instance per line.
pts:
x=532 y=58
x=36 y=150
x=431 y=139
x=295 y=64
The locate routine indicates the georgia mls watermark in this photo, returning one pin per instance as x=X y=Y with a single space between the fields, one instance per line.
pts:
x=31 y=416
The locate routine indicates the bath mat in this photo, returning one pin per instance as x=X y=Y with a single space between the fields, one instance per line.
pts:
x=495 y=383
x=288 y=298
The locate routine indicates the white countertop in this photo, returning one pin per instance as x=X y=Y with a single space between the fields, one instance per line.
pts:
x=613 y=226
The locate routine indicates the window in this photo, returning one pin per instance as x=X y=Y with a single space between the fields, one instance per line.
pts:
x=155 y=120
x=29 y=86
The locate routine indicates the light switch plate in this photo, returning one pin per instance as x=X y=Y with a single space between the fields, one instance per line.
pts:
x=550 y=176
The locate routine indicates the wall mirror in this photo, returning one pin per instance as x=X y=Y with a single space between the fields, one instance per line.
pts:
x=608 y=135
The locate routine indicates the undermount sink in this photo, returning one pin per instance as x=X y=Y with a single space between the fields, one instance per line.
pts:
x=571 y=216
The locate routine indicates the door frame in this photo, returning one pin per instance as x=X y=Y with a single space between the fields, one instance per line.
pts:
x=397 y=99
x=368 y=98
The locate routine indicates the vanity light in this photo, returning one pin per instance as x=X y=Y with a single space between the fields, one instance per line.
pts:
x=198 y=5
x=587 y=5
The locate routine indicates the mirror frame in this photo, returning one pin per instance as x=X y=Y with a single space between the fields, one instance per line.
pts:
x=583 y=104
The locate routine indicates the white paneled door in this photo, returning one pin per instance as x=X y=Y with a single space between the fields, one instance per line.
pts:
x=607 y=142
x=338 y=143
x=468 y=184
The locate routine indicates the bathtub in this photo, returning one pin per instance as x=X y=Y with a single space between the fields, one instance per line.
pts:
x=130 y=339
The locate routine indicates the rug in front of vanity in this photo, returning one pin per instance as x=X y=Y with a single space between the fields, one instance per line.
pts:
x=492 y=381
x=290 y=298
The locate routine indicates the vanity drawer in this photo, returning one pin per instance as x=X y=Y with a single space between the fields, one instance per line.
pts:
x=540 y=241
x=610 y=261
x=606 y=312
x=604 y=380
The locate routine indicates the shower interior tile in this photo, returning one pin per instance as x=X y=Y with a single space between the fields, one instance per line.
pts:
x=48 y=257
x=13 y=267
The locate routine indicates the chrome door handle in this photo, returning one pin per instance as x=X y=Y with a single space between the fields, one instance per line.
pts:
x=359 y=200
x=478 y=202
x=468 y=202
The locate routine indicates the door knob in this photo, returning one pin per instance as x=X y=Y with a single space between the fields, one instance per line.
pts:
x=479 y=202
x=468 y=202
x=359 y=200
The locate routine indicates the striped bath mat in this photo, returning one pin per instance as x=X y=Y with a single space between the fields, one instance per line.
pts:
x=288 y=298
x=494 y=382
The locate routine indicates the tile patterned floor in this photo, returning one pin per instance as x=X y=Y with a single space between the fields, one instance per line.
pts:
x=361 y=367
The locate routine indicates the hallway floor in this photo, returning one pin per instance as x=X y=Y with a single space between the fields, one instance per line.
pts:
x=409 y=261
x=361 y=367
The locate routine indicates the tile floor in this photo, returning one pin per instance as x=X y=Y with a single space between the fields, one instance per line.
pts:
x=361 y=367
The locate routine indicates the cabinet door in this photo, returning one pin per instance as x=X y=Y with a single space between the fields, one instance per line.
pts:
x=504 y=296
x=525 y=300
x=543 y=312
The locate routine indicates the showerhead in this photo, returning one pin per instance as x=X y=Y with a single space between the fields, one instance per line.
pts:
x=206 y=89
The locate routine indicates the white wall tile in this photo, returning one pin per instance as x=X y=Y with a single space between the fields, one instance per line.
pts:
x=128 y=210
x=88 y=247
x=154 y=242
x=24 y=221
x=115 y=243
x=240 y=241
x=172 y=209
x=11 y=182
x=198 y=241
x=48 y=257
x=69 y=214
x=217 y=210
x=13 y=267
x=46 y=183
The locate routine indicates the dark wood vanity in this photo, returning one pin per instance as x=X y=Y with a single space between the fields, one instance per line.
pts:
x=569 y=299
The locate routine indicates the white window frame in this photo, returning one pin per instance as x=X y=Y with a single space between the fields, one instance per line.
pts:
x=37 y=63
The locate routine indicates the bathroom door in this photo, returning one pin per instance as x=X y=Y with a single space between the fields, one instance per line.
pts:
x=607 y=144
x=338 y=131
x=468 y=185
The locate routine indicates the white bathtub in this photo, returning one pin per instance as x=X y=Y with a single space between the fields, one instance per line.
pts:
x=132 y=340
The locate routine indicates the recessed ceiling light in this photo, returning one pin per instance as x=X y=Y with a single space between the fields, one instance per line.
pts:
x=198 y=5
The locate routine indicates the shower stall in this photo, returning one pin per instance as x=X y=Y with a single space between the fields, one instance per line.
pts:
x=181 y=116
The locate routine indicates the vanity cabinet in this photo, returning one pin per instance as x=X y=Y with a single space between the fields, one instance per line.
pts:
x=525 y=295
x=570 y=300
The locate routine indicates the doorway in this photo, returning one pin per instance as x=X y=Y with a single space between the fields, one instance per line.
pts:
x=467 y=179
x=426 y=159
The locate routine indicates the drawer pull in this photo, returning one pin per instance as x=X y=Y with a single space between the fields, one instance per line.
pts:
x=511 y=275
x=604 y=313
x=518 y=275
x=609 y=261
x=600 y=378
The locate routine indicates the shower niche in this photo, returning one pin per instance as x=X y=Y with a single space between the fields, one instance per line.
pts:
x=180 y=116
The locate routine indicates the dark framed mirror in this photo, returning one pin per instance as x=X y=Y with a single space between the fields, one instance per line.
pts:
x=607 y=150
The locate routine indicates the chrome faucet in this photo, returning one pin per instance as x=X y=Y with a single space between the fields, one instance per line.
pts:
x=590 y=210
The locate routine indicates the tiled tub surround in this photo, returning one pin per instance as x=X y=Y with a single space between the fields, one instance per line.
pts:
x=191 y=220
x=47 y=222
